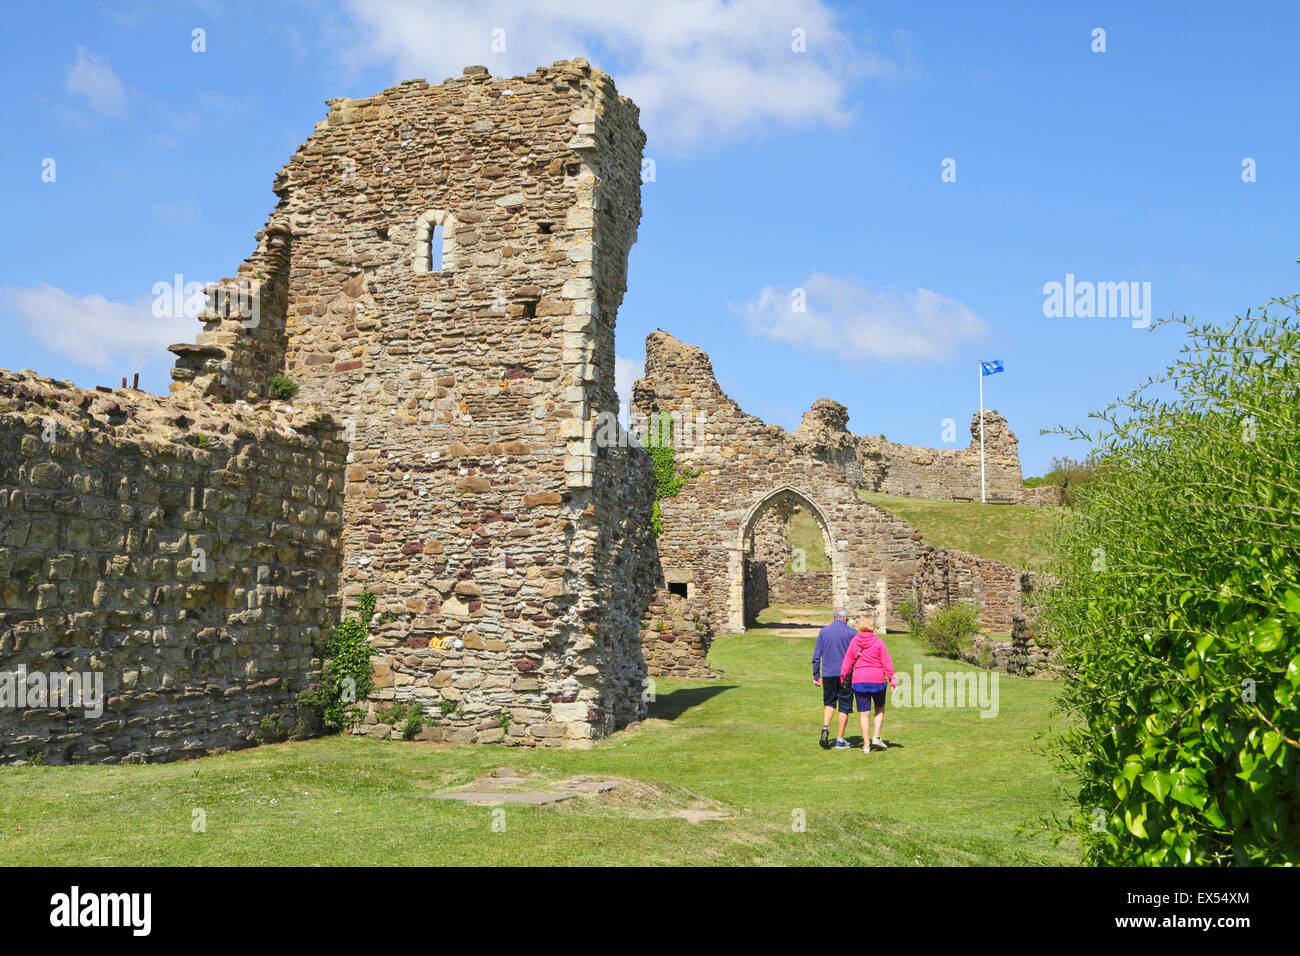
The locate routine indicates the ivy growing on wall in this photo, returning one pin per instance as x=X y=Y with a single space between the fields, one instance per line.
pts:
x=345 y=675
x=658 y=442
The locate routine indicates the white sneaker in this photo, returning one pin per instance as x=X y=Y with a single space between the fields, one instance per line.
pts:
x=866 y=748
x=879 y=742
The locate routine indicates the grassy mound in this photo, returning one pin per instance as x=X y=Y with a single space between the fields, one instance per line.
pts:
x=1013 y=534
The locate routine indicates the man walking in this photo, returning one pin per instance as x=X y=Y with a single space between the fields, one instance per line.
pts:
x=832 y=644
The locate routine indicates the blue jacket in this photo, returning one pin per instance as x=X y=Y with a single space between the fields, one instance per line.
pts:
x=832 y=644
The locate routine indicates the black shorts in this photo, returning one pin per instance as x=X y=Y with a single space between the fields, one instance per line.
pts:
x=837 y=694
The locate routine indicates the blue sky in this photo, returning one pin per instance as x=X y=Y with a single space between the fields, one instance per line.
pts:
x=776 y=170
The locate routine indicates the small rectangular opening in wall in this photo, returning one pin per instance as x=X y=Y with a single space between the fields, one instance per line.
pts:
x=435 y=249
x=530 y=310
x=677 y=587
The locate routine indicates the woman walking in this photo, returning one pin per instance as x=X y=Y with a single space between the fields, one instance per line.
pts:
x=867 y=668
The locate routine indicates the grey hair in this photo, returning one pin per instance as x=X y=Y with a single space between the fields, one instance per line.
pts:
x=841 y=614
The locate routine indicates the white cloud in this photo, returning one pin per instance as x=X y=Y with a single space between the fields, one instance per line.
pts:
x=700 y=71
x=847 y=317
x=92 y=78
x=626 y=372
x=183 y=212
x=121 y=337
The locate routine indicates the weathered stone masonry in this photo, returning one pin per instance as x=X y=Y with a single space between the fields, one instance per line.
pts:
x=186 y=552
x=676 y=638
x=876 y=464
x=714 y=529
x=514 y=552
x=441 y=276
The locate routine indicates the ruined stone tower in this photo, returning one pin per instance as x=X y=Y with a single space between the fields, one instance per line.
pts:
x=443 y=272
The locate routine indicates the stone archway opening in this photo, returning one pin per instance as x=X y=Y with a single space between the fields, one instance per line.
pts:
x=785 y=555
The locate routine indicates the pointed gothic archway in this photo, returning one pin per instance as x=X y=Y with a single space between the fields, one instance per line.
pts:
x=739 y=547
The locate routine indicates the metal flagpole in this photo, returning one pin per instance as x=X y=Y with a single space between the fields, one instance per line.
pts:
x=983 y=500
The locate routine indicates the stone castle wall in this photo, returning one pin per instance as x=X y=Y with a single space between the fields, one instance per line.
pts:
x=1021 y=655
x=185 y=552
x=676 y=637
x=879 y=465
x=747 y=469
x=513 y=553
x=800 y=588
x=1030 y=655
x=950 y=576
x=1050 y=496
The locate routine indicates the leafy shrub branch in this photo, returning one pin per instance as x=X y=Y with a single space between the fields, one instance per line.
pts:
x=1176 y=606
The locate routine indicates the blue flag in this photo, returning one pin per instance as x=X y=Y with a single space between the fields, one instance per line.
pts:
x=992 y=368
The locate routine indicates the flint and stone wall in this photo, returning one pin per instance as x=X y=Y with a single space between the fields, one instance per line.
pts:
x=1022 y=655
x=186 y=552
x=1030 y=655
x=676 y=637
x=799 y=588
x=949 y=576
x=1050 y=496
x=747 y=469
x=513 y=553
x=880 y=465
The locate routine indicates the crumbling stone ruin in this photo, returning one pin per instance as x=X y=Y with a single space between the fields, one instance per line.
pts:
x=451 y=260
x=721 y=531
x=675 y=638
x=441 y=277
x=884 y=466
x=183 y=551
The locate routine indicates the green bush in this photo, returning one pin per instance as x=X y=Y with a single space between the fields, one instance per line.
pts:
x=949 y=630
x=270 y=729
x=407 y=719
x=1177 y=609
x=414 y=722
x=311 y=710
x=913 y=615
x=283 y=387
x=1072 y=475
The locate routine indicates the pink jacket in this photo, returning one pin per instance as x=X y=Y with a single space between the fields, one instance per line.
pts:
x=869 y=660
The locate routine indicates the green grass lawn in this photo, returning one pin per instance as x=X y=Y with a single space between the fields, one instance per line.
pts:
x=1013 y=534
x=953 y=791
x=803 y=531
